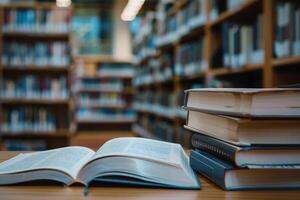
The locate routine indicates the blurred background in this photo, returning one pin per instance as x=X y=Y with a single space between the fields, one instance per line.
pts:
x=82 y=72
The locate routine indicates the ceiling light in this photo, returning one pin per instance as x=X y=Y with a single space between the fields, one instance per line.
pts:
x=63 y=3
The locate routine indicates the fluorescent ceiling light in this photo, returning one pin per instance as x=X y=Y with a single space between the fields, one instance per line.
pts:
x=63 y=3
x=131 y=9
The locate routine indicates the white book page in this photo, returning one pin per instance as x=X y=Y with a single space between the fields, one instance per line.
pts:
x=154 y=150
x=68 y=160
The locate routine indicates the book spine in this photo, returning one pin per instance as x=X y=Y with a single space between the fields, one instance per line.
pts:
x=205 y=166
x=215 y=147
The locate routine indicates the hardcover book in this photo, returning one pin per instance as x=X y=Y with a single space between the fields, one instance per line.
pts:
x=121 y=160
x=230 y=177
x=248 y=156
x=243 y=102
x=241 y=131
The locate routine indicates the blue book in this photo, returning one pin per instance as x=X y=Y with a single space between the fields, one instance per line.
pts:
x=229 y=177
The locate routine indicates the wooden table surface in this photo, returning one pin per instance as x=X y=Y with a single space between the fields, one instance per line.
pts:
x=208 y=192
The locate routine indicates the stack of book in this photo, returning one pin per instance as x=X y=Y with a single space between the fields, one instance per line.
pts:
x=246 y=138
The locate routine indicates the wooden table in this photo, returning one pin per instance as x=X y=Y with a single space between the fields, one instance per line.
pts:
x=208 y=192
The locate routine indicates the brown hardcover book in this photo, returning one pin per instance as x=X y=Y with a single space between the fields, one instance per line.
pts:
x=242 y=102
x=242 y=131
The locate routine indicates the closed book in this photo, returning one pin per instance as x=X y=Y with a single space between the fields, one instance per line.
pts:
x=245 y=102
x=248 y=156
x=230 y=177
x=243 y=131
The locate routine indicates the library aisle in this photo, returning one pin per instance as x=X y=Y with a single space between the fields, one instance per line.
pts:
x=82 y=72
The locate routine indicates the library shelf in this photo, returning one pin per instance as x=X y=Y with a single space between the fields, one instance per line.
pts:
x=35 y=68
x=36 y=35
x=294 y=60
x=229 y=71
x=106 y=76
x=29 y=5
x=177 y=6
x=94 y=120
x=142 y=132
x=110 y=107
x=37 y=134
x=22 y=101
x=244 y=9
x=101 y=59
x=200 y=75
x=104 y=90
x=157 y=114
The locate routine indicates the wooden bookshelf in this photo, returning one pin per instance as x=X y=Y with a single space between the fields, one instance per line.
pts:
x=61 y=134
x=90 y=72
x=271 y=72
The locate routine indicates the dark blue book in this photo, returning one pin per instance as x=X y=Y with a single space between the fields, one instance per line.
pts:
x=229 y=177
x=248 y=156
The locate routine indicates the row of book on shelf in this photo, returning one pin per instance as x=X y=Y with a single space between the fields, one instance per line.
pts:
x=24 y=145
x=242 y=44
x=113 y=84
x=248 y=138
x=83 y=70
x=101 y=114
x=162 y=130
x=28 y=119
x=173 y=27
x=40 y=54
x=54 y=20
x=101 y=100
x=35 y=87
x=287 y=37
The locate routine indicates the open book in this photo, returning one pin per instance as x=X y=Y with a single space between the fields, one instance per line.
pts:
x=122 y=160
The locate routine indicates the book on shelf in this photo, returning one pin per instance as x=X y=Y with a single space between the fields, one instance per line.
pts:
x=158 y=129
x=217 y=7
x=86 y=114
x=245 y=131
x=229 y=177
x=24 y=145
x=28 y=119
x=287 y=35
x=40 y=54
x=35 y=87
x=260 y=156
x=190 y=58
x=159 y=164
x=108 y=69
x=243 y=44
x=28 y=20
x=243 y=102
x=172 y=27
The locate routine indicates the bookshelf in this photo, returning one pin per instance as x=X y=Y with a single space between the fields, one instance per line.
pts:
x=171 y=34
x=102 y=92
x=34 y=73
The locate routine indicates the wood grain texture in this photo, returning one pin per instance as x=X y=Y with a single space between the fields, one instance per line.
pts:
x=209 y=191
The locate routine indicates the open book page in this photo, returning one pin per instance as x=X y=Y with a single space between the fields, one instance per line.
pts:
x=142 y=148
x=68 y=160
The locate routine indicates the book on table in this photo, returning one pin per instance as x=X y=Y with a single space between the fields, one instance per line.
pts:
x=258 y=156
x=245 y=102
x=230 y=177
x=242 y=131
x=135 y=161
